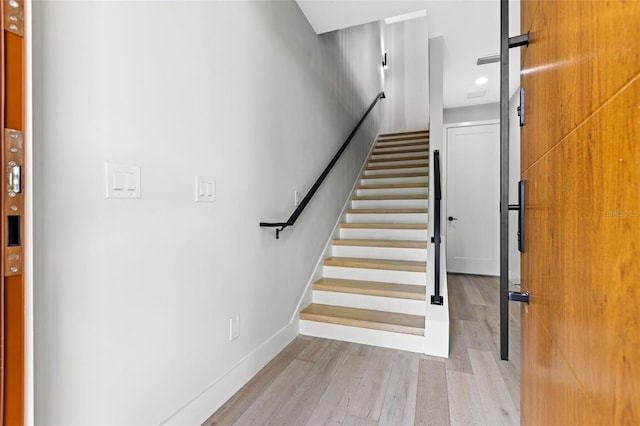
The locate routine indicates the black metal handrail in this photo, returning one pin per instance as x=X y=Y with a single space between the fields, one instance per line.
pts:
x=436 y=298
x=294 y=216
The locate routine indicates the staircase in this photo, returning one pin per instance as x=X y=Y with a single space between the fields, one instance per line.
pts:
x=373 y=286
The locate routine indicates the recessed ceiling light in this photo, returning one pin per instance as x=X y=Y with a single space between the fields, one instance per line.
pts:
x=481 y=80
x=405 y=17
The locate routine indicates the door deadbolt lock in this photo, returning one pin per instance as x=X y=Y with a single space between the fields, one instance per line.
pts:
x=451 y=218
x=15 y=179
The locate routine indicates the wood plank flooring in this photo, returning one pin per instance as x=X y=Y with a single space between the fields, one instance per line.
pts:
x=317 y=381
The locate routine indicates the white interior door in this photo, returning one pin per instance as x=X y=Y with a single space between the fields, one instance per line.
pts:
x=473 y=199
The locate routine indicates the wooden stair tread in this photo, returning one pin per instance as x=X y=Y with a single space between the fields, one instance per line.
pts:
x=365 y=318
x=371 y=288
x=413 y=132
x=388 y=160
x=381 y=243
x=395 y=175
x=389 y=197
x=400 y=145
x=394 y=185
x=399 y=166
x=386 y=211
x=403 y=138
x=400 y=151
x=385 y=225
x=386 y=264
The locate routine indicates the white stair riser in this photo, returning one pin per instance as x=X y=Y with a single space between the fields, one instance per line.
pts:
x=417 y=169
x=387 y=218
x=389 y=204
x=365 y=336
x=391 y=253
x=398 y=156
x=383 y=275
x=362 y=301
x=400 y=162
x=393 y=191
x=385 y=234
x=383 y=180
x=384 y=149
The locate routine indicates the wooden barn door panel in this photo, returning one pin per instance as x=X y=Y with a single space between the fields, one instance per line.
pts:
x=581 y=161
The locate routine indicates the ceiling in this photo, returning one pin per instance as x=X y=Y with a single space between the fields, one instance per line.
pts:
x=470 y=29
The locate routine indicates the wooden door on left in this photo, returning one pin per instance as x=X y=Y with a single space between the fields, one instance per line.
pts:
x=12 y=239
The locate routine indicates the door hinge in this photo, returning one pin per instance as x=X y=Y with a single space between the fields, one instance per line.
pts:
x=14 y=16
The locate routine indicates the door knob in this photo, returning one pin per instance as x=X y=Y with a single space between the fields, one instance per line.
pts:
x=451 y=218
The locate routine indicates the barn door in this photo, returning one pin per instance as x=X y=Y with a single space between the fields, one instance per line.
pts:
x=581 y=164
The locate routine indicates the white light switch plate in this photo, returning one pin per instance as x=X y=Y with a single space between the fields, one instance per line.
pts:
x=205 y=189
x=123 y=181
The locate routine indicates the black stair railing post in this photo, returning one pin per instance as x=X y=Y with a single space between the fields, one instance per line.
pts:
x=436 y=298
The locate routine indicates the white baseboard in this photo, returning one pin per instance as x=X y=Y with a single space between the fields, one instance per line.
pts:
x=364 y=336
x=224 y=387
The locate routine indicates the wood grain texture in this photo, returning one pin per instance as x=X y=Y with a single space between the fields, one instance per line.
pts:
x=399 y=404
x=333 y=405
x=390 y=197
x=415 y=132
x=356 y=384
x=580 y=159
x=390 y=265
x=367 y=401
x=394 y=185
x=238 y=404
x=408 y=158
x=432 y=402
x=386 y=211
x=372 y=288
x=385 y=225
x=581 y=54
x=463 y=390
x=382 y=243
x=401 y=151
x=365 y=318
x=417 y=165
x=496 y=401
x=391 y=147
x=403 y=138
x=13 y=343
x=395 y=175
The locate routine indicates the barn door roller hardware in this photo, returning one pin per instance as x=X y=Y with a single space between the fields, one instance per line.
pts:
x=519 y=40
x=516 y=296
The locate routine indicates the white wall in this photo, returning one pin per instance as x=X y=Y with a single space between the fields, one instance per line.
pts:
x=407 y=76
x=133 y=297
x=514 y=178
x=482 y=112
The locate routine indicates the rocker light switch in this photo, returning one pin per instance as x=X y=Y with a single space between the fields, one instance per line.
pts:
x=123 y=181
x=205 y=189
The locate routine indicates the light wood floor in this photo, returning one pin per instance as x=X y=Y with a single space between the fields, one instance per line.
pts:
x=325 y=382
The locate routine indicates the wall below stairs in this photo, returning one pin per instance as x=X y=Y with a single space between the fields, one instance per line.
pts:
x=133 y=297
